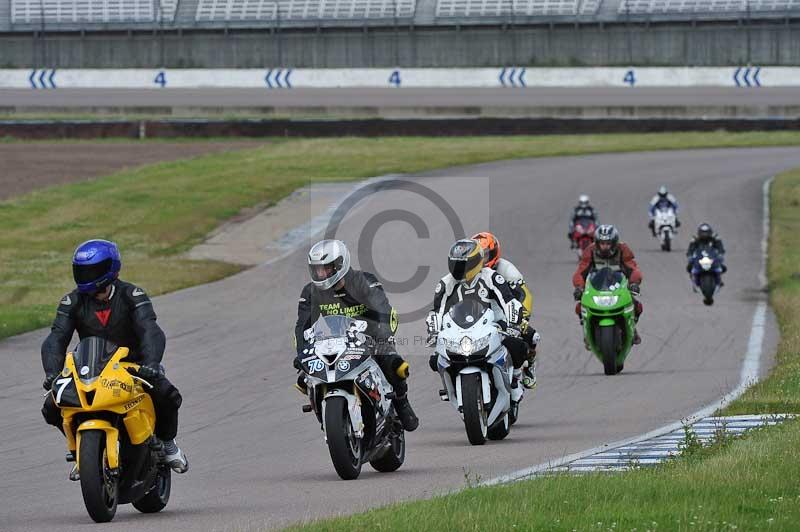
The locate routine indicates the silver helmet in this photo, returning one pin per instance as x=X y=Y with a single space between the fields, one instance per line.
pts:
x=583 y=200
x=328 y=262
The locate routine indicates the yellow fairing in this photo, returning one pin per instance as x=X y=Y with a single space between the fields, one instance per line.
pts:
x=112 y=437
x=115 y=390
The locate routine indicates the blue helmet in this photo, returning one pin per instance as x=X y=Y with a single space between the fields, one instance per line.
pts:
x=95 y=264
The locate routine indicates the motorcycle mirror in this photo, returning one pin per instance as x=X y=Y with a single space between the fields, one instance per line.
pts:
x=360 y=325
x=308 y=335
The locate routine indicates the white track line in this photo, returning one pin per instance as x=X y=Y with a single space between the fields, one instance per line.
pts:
x=748 y=375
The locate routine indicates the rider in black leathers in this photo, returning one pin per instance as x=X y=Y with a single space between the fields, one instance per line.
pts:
x=336 y=289
x=123 y=314
x=705 y=238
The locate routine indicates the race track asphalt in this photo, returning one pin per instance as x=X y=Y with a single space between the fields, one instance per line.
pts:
x=257 y=461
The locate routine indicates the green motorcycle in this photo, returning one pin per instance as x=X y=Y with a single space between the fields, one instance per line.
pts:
x=607 y=312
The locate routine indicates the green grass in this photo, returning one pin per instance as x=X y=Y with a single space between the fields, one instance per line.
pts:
x=748 y=483
x=781 y=391
x=158 y=212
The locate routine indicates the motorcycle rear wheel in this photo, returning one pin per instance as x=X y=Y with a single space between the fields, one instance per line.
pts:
x=100 y=489
x=393 y=458
x=157 y=498
x=344 y=447
x=607 y=342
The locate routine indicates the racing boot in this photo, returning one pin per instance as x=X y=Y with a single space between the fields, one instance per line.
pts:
x=529 y=374
x=407 y=416
x=636 y=338
x=175 y=458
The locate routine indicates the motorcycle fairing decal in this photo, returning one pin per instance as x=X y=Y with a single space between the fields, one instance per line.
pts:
x=66 y=394
x=367 y=384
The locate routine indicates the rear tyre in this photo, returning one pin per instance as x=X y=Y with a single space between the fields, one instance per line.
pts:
x=474 y=412
x=501 y=429
x=99 y=488
x=707 y=286
x=394 y=456
x=607 y=342
x=157 y=498
x=344 y=447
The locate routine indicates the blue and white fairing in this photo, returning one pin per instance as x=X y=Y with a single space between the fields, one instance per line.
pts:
x=706 y=262
x=470 y=341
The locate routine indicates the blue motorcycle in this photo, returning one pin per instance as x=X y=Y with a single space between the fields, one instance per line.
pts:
x=707 y=269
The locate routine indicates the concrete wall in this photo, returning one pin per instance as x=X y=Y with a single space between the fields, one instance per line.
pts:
x=681 y=44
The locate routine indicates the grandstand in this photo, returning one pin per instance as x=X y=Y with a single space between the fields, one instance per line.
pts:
x=66 y=15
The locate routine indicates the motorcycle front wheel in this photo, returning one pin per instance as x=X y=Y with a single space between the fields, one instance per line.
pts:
x=474 y=412
x=99 y=487
x=344 y=447
x=607 y=342
x=707 y=285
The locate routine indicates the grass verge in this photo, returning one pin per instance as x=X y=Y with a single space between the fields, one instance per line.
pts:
x=158 y=212
x=748 y=483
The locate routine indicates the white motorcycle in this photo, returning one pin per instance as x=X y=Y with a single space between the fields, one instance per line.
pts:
x=477 y=372
x=665 y=227
x=351 y=397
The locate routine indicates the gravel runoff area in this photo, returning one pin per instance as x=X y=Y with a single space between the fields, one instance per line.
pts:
x=27 y=166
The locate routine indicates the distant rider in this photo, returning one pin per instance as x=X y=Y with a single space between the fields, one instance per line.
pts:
x=705 y=239
x=121 y=313
x=662 y=200
x=582 y=211
x=608 y=252
x=469 y=279
x=492 y=259
x=336 y=289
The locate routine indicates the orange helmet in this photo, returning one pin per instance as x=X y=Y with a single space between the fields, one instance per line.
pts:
x=491 y=247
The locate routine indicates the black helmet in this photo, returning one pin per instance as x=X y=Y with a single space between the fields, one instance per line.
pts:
x=663 y=192
x=704 y=232
x=465 y=260
x=606 y=234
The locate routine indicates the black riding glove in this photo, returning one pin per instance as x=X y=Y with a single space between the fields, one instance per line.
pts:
x=148 y=372
x=677 y=223
x=578 y=293
x=634 y=289
x=689 y=268
x=47 y=384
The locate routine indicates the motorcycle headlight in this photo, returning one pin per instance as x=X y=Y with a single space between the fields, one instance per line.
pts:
x=467 y=345
x=605 y=301
x=706 y=263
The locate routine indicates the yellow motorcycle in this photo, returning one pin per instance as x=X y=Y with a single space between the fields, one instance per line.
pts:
x=109 y=423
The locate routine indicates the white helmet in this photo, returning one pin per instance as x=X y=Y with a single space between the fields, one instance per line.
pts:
x=328 y=262
x=583 y=200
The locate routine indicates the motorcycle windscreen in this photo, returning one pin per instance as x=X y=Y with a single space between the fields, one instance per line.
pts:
x=466 y=313
x=91 y=356
x=606 y=280
x=332 y=327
